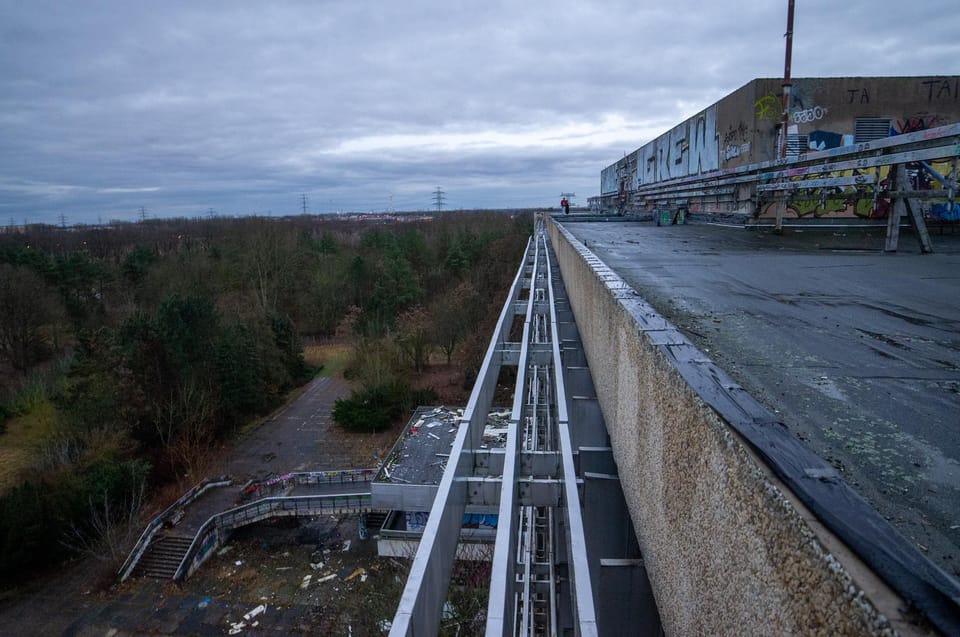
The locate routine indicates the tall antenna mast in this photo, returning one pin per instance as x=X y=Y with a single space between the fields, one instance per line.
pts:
x=787 y=84
x=303 y=202
x=785 y=121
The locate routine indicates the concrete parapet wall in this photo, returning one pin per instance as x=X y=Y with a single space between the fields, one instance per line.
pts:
x=726 y=550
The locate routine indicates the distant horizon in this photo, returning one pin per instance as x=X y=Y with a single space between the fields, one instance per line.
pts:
x=296 y=215
x=183 y=107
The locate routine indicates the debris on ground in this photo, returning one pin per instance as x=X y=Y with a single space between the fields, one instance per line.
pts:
x=313 y=587
x=256 y=611
x=428 y=436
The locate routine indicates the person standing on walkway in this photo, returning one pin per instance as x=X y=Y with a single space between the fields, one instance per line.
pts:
x=565 y=205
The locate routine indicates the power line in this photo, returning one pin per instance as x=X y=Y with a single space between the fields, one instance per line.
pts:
x=438 y=198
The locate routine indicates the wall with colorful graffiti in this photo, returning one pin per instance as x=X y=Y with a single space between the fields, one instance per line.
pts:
x=827 y=113
x=608 y=179
x=744 y=128
x=859 y=202
x=690 y=148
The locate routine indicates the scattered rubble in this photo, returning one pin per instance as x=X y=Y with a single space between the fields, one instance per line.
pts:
x=322 y=586
x=421 y=453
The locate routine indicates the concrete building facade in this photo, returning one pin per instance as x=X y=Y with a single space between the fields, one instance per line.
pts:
x=744 y=128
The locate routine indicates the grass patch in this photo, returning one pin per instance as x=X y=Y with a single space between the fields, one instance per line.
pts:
x=19 y=442
x=333 y=356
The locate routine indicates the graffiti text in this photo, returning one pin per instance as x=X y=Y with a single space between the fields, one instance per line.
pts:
x=942 y=89
x=767 y=107
x=809 y=115
x=859 y=95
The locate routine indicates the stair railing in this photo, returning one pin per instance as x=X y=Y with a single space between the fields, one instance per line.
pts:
x=157 y=523
x=214 y=531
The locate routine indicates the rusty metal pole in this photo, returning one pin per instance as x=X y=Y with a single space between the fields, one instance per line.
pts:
x=781 y=207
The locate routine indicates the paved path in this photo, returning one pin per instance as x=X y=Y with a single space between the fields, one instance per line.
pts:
x=301 y=436
x=858 y=351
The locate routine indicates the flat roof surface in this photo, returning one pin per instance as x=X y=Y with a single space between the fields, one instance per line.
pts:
x=856 y=350
x=421 y=453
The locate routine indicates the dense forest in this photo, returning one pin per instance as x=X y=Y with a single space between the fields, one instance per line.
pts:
x=128 y=352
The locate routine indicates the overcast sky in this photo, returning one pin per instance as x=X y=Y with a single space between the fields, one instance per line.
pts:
x=241 y=107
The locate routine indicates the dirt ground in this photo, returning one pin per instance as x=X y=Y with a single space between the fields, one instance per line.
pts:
x=287 y=578
x=316 y=577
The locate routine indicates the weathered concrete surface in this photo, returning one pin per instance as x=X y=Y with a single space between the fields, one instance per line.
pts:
x=726 y=550
x=858 y=352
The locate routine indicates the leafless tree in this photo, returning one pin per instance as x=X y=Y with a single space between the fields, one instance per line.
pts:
x=26 y=311
x=412 y=337
x=184 y=427
x=110 y=531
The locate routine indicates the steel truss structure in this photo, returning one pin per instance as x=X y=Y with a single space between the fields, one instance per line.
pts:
x=540 y=575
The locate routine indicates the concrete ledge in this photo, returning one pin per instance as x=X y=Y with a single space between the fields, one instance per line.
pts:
x=727 y=550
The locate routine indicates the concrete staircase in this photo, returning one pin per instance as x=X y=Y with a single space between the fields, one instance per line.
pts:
x=374 y=520
x=163 y=556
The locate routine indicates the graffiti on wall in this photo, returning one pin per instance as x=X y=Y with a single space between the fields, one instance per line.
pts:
x=416 y=520
x=824 y=115
x=608 y=179
x=823 y=140
x=767 y=107
x=858 y=201
x=732 y=151
x=912 y=124
x=735 y=135
x=688 y=149
x=704 y=155
x=841 y=201
x=942 y=89
x=858 y=96
x=808 y=115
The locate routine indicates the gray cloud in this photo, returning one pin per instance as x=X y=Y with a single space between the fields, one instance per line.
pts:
x=241 y=106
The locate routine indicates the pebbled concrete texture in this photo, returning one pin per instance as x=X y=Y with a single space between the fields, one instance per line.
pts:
x=726 y=550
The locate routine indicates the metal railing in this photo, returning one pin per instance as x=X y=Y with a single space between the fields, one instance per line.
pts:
x=863 y=177
x=526 y=580
x=217 y=528
x=265 y=488
x=157 y=523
